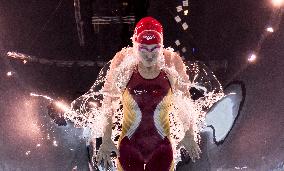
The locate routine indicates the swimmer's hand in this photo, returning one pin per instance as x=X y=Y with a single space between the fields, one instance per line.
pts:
x=190 y=146
x=104 y=153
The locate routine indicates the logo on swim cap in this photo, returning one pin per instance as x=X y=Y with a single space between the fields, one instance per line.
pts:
x=149 y=37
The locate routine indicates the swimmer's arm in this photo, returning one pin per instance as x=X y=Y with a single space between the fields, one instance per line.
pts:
x=172 y=59
x=108 y=130
x=184 y=87
x=109 y=89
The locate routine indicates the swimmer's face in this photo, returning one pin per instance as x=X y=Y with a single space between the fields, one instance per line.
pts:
x=148 y=54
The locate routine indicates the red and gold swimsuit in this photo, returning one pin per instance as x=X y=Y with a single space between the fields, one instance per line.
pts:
x=144 y=142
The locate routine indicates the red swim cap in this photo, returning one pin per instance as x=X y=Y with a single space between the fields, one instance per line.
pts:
x=148 y=31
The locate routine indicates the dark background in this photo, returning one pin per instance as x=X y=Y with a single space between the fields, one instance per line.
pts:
x=222 y=32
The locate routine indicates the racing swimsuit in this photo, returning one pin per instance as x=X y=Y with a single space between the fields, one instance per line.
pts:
x=144 y=142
